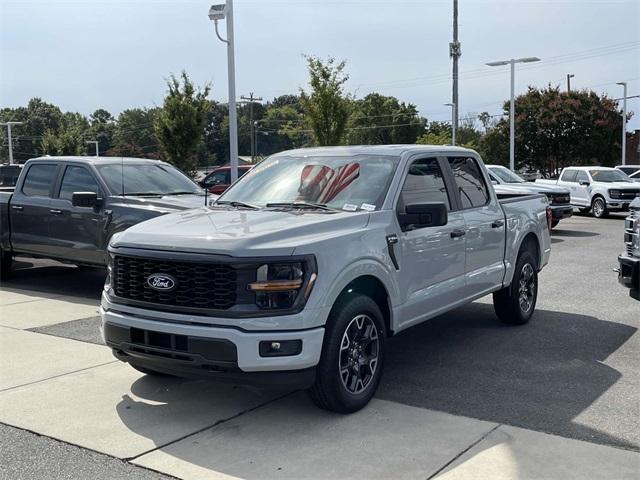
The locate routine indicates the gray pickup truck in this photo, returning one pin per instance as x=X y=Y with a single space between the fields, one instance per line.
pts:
x=302 y=269
x=629 y=260
x=67 y=208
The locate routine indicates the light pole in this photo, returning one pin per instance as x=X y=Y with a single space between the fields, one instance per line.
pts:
x=453 y=122
x=624 y=122
x=512 y=104
x=8 y=125
x=95 y=142
x=569 y=77
x=219 y=12
x=251 y=99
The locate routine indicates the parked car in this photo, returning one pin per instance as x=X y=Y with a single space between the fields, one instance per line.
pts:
x=629 y=260
x=220 y=179
x=559 y=197
x=9 y=176
x=635 y=176
x=300 y=271
x=67 y=208
x=628 y=169
x=597 y=189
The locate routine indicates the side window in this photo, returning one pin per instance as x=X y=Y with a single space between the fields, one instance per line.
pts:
x=39 y=180
x=569 y=175
x=424 y=184
x=77 y=179
x=582 y=177
x=470 y=182
x=218 y=178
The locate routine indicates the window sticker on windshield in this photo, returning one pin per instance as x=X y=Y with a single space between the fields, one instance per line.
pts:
x=349 y=207
x=368 y=207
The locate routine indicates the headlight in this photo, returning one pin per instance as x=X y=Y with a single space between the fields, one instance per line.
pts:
x=107 y=282
x=280 y=285
x=614 y=193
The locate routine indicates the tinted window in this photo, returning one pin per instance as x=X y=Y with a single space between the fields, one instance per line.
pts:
x=424 y=184
x=219 y=178
x=77 y=179
x=471 y=186
x=582 y=177
x=39 y=180
x=569 y=175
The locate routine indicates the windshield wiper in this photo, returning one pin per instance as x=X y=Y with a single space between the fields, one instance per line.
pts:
x=237 y=204
x=184 y=193
x=143 y=194
x=308 y=205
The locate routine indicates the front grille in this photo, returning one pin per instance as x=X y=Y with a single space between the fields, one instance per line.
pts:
x=197 y=285
x=560 y=199
x=628 y=194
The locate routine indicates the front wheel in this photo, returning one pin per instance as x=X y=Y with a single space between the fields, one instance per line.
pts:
x=599 y=207
x=515 y=304
x=352 y=356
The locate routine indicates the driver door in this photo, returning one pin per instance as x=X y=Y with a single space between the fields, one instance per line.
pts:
x=432 y=259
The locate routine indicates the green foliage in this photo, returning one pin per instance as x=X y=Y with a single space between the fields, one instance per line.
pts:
x=180 y=123
x=65 y=142
x=326 y=107
x=381 y=120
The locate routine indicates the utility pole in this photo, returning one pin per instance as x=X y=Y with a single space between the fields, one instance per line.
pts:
x=95 y=142
x=8 y=125
x=252 y=99
x=624 y=122
x=569 y=77
x=455 y=52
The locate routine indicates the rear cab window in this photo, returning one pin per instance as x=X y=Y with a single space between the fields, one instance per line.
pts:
x=39 y=180
x=472 y=188
x=569 y=176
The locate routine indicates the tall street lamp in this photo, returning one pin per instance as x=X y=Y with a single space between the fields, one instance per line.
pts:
x=624 y=122
x=220 y=12
x=512 y=121
x=569 y=77
x=8 y=125
x=453 y=121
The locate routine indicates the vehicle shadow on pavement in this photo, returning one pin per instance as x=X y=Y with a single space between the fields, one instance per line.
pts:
x=539 y=376
x=573 y=233
x=52 y=278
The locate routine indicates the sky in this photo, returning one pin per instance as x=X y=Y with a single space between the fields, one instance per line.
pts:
x=84 y=55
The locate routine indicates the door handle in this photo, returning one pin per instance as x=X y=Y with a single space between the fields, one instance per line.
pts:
x=17 y=207
x=55 y=211
x=497 y=224
x=458 y=232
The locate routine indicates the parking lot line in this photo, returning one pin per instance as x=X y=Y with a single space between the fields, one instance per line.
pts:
x=515 y=453
x=115 y=410
x=46 y=311
x=27 y=357
x=293 y=439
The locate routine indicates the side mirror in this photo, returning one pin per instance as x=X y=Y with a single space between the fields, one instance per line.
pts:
x=84 y=199
x=584 y=183
x=422 y=215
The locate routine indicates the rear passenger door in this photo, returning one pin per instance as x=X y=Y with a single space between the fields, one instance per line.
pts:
x=582 y=188
x=30 y=209
x=485 y=226
x=569 y=180
x=431 y=259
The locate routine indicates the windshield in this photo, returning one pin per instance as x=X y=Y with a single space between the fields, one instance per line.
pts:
x=358 y=182
x=608 y=176
x=506 y=175
x=149 y=179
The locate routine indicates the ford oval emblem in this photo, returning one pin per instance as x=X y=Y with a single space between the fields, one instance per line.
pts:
x=161 y=282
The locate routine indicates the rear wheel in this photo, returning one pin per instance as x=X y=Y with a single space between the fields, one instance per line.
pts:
x=584 y=210
x=352 y=356
x=599 y=207
x=516 y=303
x=554 y=223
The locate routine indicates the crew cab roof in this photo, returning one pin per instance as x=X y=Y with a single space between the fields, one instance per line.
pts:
x=589 y=168
x=390 y=150
x=92 y=160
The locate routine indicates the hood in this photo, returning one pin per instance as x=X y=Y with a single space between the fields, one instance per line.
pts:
x=545 y=188
x=167 y=203
x=240 y=233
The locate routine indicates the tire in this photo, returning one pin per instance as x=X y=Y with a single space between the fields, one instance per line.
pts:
x=515 y=304
x=148 y=371
x=599 y=207
x=5 y=264
x=352 y=356
x=554 y=223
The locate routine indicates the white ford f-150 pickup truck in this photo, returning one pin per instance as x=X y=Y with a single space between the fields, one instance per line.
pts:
x=300 y=272
x=599 y=189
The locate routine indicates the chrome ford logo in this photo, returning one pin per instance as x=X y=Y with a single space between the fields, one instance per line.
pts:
x=161 y=282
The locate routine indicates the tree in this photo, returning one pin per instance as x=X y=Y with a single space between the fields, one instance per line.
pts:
x=102 y=128
x=180 y=123
x=556 y=129
x=326 y=107
x=133 y=134
x=380 y=120
x=65 y=142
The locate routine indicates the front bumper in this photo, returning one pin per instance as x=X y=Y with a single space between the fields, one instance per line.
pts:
x=622 y=205
x=558 y=212
x=201 y=350
x=629 y=274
